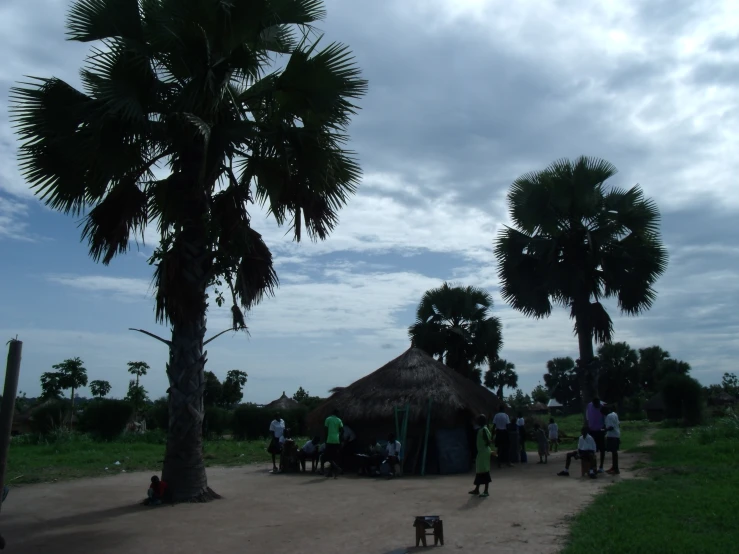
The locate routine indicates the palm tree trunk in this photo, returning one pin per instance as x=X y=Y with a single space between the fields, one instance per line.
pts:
x=71 y=415
x=587 y=373
x=184 y=469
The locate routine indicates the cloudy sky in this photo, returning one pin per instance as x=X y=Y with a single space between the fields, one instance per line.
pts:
x=465 y=95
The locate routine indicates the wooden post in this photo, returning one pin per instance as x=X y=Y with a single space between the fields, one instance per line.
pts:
x=426 y=440
x=7 y=409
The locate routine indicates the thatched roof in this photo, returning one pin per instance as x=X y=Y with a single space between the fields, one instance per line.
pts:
x=412 y=378
x=538 y=407
x=283 y=403
x=657 y=402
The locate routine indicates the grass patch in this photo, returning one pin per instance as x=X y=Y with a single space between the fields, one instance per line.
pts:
x=73 y=456
x=632 y=432
x=686 y=504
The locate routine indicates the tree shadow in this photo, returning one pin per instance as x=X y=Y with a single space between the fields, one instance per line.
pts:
x=86 y=540
x=40 y=527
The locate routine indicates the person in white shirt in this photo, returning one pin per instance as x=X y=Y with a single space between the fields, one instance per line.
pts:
x=521 y=424
x=585 y=450
x=392 y=450
x=613 y=437
x=276 y=430
x=501 y=422
x=310 y=452
x=553 y=435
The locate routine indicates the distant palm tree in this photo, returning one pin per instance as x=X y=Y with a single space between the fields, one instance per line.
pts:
x=71 y=375
x=576 y=242
x=99 y=389
x=501 y=374
x=454 y=323
x=190 y=112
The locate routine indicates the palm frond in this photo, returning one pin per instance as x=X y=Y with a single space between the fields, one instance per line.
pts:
x=50 y=116
x=110 y=225
x=523 y=272
x=90 y=20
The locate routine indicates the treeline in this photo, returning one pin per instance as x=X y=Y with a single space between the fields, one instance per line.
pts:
x=106 y=419
x=626 y=377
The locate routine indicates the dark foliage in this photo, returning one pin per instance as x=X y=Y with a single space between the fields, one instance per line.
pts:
x=106 y=419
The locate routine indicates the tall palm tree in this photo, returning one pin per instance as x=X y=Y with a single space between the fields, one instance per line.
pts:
x=453 y=323
x=190 y=112
x=575 y=242
x=501 y=374
x=72 y=375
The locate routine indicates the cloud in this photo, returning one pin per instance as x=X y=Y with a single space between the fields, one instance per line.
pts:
x=465 y=96
x=119 y=287
x=13 y=224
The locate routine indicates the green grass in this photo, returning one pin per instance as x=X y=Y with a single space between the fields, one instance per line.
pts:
x=687 y=502
x=631 y=431
x=75 y=456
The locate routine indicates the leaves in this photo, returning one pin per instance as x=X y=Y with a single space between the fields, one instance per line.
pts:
x=575 y=242
x=453 y=323
x=189 y=89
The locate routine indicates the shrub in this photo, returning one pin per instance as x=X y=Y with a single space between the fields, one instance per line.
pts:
x=683 y=397
x=157 y=415
x=252 y=422
x=217 y=421
x=106 y=419
x=50 y=416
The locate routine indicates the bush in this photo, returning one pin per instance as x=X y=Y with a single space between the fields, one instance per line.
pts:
x=217 y=421
x=157 y=415
x=106 y=419
x=50 y=416
x=252 y=422
x=683 y=397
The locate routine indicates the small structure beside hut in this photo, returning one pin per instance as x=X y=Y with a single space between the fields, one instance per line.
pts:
x=283 y=403
x=426 y=386
x=655 y=408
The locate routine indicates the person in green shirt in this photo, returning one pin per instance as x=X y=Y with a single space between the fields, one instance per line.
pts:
x=334 y=428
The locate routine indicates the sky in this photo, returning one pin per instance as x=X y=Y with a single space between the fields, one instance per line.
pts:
x=464 y=96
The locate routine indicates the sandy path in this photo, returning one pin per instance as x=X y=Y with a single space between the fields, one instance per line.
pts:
x=265 y=513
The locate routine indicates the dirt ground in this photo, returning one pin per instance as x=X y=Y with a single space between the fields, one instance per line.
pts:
x=264 y=513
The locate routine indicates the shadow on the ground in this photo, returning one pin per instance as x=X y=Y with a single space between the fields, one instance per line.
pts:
x=41 y=527
x=85 y=540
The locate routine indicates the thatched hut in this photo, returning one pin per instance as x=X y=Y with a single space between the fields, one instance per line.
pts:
x=655 y=407
x=412 y=379
x=283 y=403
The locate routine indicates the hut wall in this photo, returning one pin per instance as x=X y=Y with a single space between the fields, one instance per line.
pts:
x=412 y=448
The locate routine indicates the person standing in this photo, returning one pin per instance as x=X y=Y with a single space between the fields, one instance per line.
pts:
x=501 y=422
x=392 y=451
x=276 y=430
x=553 y=435
x=613 y=438
x=482 y=461
x=596 y=427
x=334 y=428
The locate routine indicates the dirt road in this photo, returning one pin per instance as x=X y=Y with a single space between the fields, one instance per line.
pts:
x=264 y=513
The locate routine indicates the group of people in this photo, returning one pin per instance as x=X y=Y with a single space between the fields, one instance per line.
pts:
x=339 y=445
x=601 y=434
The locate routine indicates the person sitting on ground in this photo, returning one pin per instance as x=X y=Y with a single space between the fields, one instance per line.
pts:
x=276 y=430
x=585 y=450
x=155 y=494
x=542 y=444
x=310 y=452
x=500 y=422
x=553 y=435
x=392 y=452
x=613 y=437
